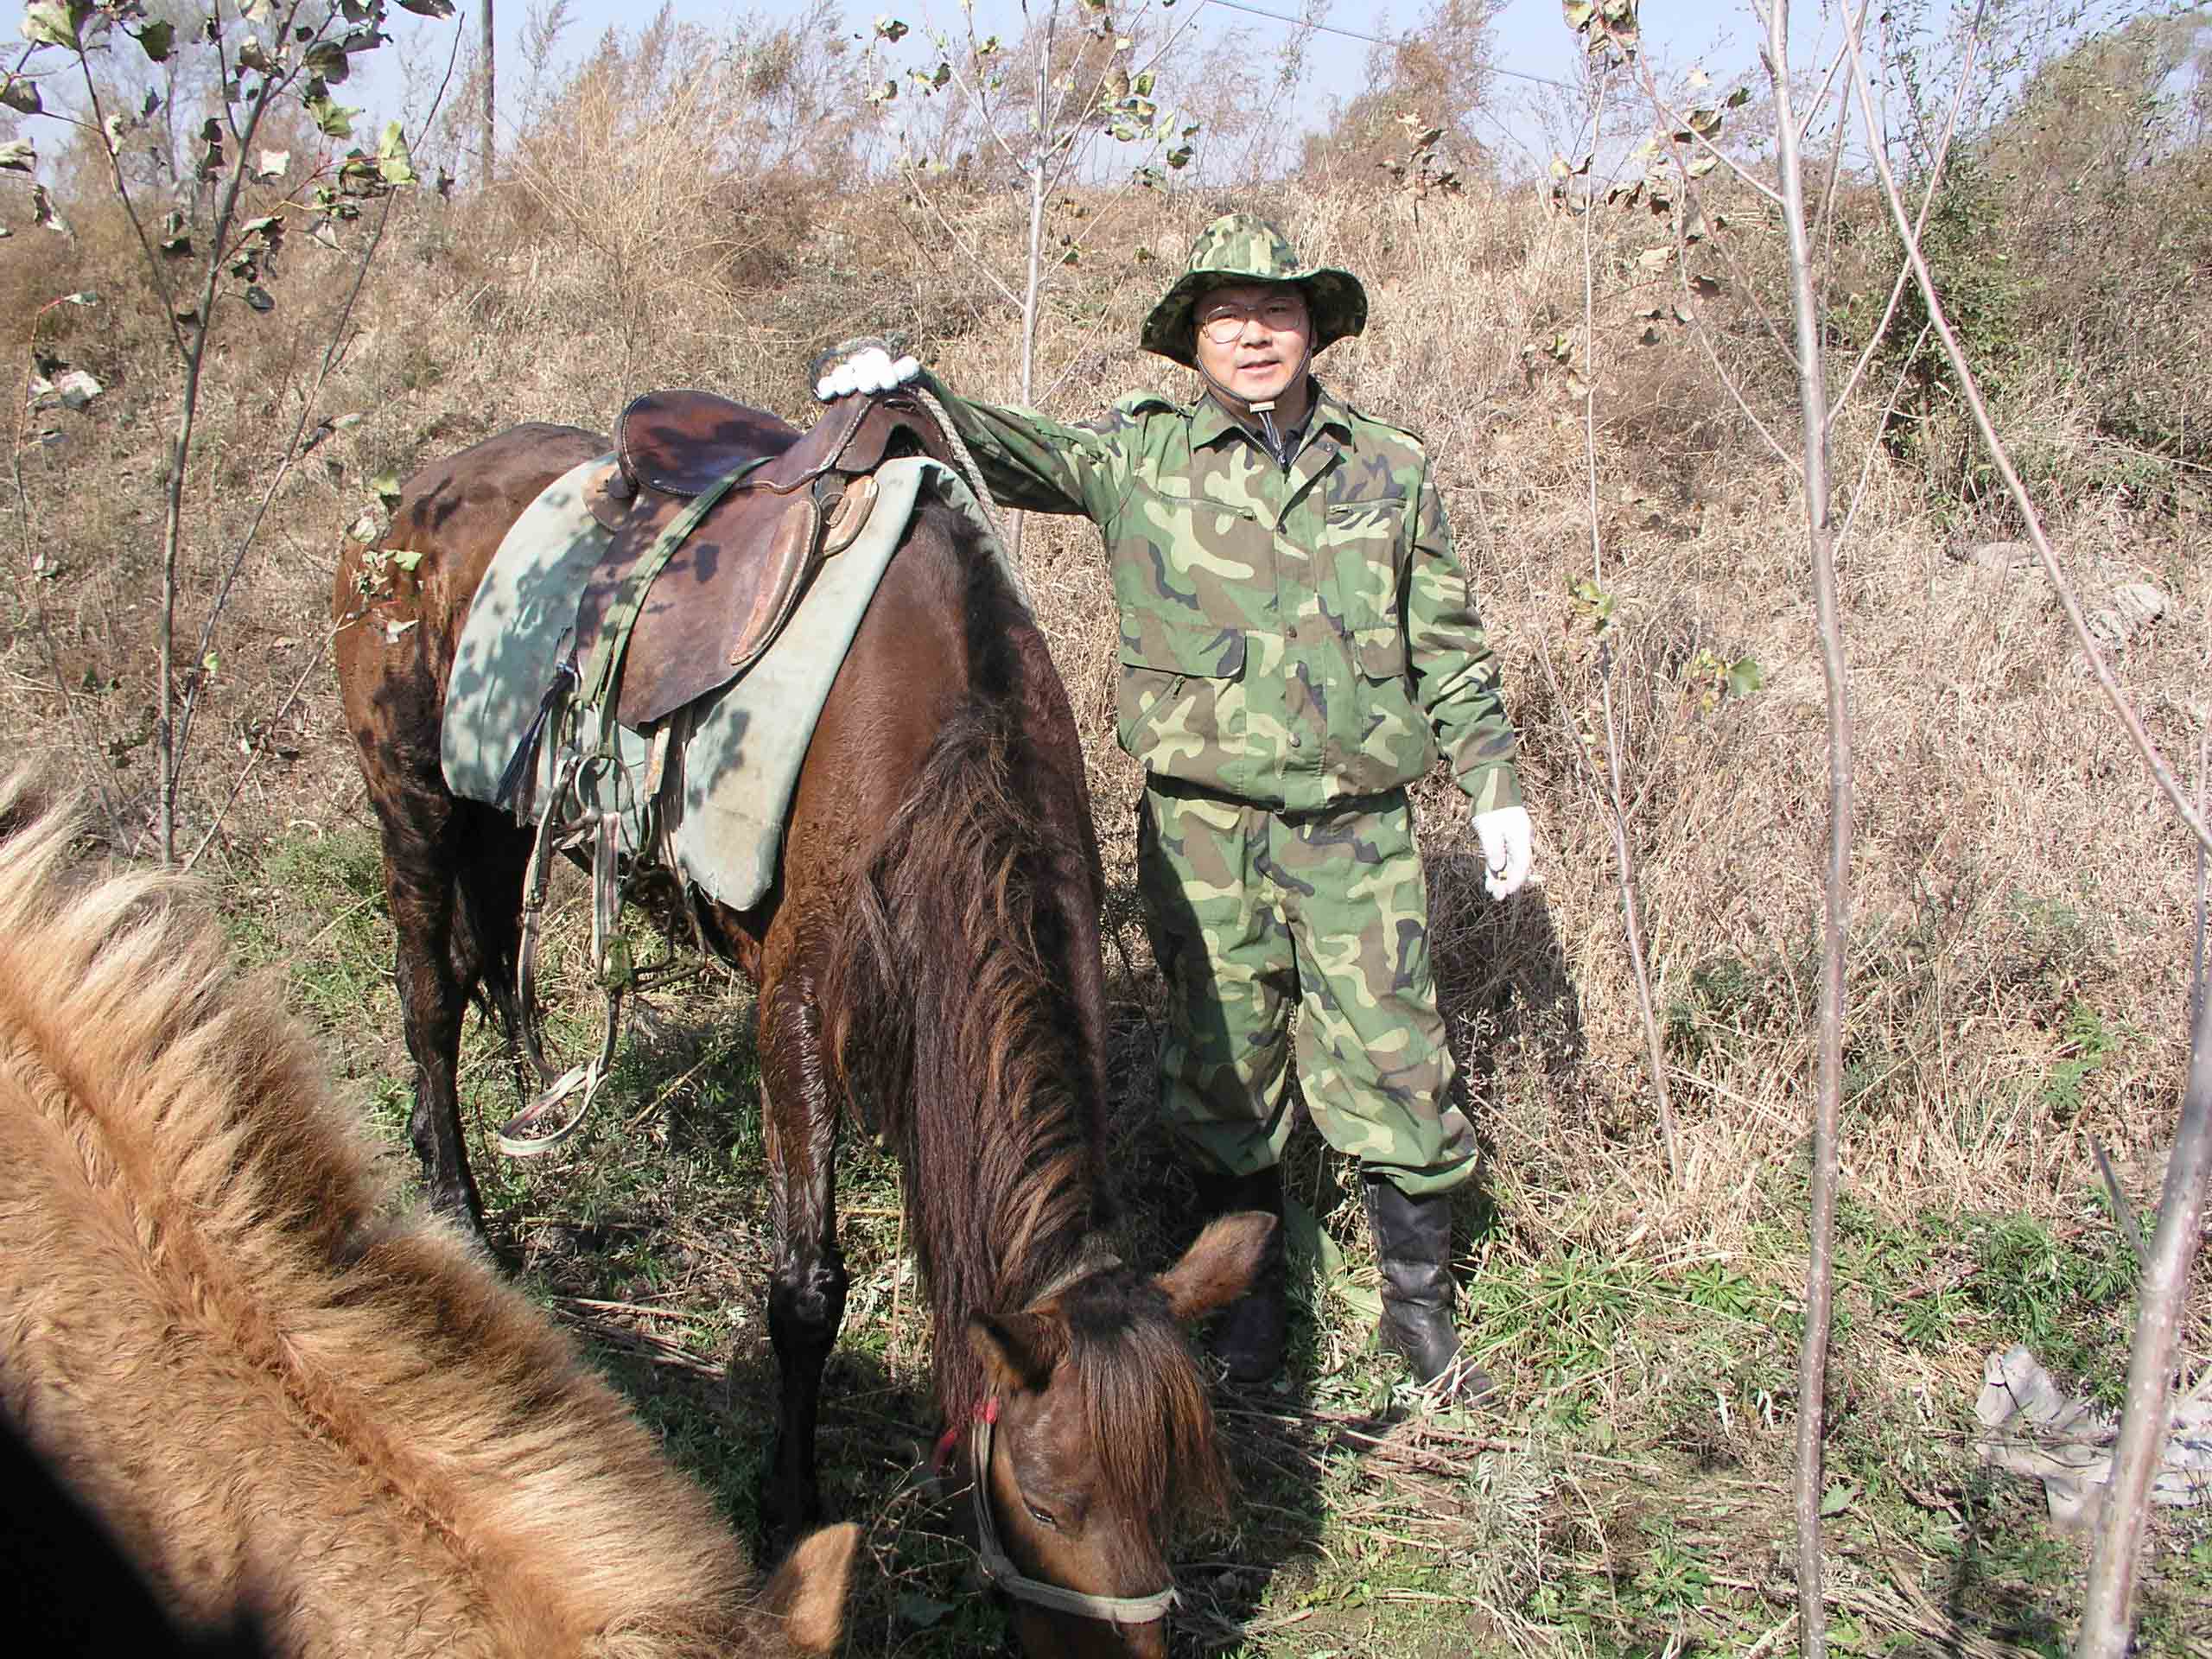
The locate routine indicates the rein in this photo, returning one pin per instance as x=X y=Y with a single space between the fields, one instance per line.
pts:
x=998 y=1566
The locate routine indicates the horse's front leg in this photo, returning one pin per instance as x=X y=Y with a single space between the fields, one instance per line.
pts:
x=806 y=1291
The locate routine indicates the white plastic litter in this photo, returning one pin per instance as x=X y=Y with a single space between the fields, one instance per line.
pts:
x=2036 y=1429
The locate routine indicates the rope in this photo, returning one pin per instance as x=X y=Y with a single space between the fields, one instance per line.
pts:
x=969 y=470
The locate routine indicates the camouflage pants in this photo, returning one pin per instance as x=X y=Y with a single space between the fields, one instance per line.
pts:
x=1255 y=913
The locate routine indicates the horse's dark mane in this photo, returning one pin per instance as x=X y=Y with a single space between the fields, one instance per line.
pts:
x=954 y=1010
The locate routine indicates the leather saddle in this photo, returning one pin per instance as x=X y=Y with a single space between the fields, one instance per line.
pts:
x=770 y=503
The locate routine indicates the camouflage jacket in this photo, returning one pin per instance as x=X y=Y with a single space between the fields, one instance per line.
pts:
x=1289 y=637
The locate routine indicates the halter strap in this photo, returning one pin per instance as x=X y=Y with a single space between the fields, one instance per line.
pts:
x=998 y=1566
x=999 y=1569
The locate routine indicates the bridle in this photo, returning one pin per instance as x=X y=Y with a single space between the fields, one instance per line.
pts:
x=998 y=1566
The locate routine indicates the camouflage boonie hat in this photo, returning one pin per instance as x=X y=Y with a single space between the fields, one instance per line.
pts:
x=1244 y=248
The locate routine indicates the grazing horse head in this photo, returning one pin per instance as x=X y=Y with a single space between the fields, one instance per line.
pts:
x=1094 y=1437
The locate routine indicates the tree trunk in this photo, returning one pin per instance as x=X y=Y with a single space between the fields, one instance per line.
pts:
x=1827 y=1109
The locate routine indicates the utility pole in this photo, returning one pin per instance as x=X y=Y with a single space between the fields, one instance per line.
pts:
x=484 y=132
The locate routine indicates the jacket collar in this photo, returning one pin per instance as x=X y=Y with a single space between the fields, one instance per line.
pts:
x=1211 y=423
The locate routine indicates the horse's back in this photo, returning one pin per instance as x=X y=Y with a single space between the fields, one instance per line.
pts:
x=280 y=1402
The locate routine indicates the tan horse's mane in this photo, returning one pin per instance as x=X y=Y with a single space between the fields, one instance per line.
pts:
x=278 y=1398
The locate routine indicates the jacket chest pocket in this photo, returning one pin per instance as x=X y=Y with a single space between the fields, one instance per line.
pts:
x=1360 y=557
x=1208 y=563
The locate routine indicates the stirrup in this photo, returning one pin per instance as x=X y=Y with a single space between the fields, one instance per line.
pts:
x=611 y=956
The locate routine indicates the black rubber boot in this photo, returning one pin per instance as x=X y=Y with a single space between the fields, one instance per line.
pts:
x=1248 y=1337
x=1412 y=1239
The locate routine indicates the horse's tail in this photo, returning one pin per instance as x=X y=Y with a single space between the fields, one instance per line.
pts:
x=954 y=1020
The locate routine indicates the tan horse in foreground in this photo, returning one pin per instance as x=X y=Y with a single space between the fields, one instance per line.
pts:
x=292 y=1414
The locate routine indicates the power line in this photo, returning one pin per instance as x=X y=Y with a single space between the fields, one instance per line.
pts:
x=1373 y=39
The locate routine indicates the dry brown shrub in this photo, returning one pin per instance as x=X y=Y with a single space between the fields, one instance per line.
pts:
x=2011 y=868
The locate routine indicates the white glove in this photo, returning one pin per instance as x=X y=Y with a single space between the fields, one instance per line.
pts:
x=870 y=368
x=1508 y=848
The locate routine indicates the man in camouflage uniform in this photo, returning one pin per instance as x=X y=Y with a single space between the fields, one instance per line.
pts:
x=1298 y=643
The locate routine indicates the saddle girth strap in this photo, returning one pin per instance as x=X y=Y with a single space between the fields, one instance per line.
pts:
x=600 y=675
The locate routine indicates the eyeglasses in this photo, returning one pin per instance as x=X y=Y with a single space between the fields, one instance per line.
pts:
x=1222 y=323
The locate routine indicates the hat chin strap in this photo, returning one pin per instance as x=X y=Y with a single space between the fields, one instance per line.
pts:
x=1270 y=435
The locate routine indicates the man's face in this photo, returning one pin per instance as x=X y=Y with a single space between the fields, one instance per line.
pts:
x=1252 y=338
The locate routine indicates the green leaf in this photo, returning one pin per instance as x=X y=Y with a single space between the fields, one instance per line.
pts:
x=1578 y=14
x=20 y=94
x=1703 y=165
x=406 y=558
x=1737 y=99
x=46 y=215
x=440 y=9
x=1838 y=1498
x=18 y=155
x=922 y=1612
x=1744 y=677
x=158 y=40
x=890 y=29
x=328 y=60
x=333 y=119
x=386 y=484
x=251 y=54
x=56 y=23
x=394 y=164
x=1308 y=1243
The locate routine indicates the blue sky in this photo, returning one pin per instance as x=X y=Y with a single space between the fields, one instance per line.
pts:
x=1533 y=40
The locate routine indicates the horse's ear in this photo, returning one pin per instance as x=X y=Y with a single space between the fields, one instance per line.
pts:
x=1017 y=1352
x=808 y=1591
x=1220 y=1264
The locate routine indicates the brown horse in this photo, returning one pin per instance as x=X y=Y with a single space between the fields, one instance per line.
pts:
x=930 y=951
x=290 y=1413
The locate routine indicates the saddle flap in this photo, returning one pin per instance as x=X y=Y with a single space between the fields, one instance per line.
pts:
x=728 y=588
x=715 y=605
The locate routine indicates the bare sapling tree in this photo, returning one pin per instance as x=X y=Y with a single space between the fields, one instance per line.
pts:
x=1579 y=364
x=487 y=42
x=1612 y=25
x=204 y=271
x=1035 y=114
x=2107 y=1609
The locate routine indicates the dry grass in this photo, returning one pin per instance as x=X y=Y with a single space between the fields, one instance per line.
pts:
x=2021 y=903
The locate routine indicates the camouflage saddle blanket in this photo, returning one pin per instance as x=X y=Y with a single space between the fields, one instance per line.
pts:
x=736 y=751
